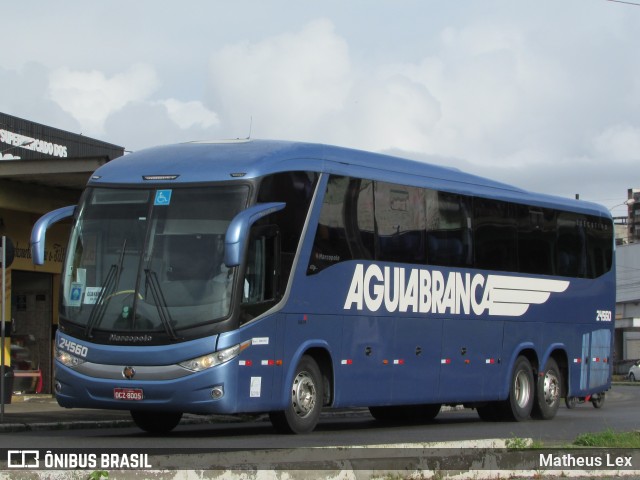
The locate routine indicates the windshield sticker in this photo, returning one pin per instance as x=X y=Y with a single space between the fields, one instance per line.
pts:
x=91 y=295
x=75 y=295
x=163 y=197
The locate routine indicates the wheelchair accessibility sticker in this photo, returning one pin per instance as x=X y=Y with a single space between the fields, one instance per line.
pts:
x=163 y=197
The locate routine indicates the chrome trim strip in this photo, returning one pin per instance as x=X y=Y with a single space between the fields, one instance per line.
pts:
x=142 y=373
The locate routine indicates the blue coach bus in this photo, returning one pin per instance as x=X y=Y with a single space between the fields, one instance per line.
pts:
x=264 y=276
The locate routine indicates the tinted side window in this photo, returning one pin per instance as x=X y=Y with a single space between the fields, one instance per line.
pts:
x=571 y=246
x=536 y=240
x=400 y=223
x=599 y=246
x=448 y=224
x=495 y=235
x=346 y=228
x=296 y=190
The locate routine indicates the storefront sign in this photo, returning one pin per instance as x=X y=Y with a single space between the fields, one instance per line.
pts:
x=29 y=143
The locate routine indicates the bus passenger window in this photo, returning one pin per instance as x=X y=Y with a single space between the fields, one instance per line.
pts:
x=330 y=244
x=400 y=223
x=448 y=236
x=495 y=235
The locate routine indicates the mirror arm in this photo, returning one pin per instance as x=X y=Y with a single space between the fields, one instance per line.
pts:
x=39 y=231
x=239 y=227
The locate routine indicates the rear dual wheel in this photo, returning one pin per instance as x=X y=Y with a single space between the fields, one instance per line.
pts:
x=548 y=392
x=528 y=397
x=521 y=393
x=518 y=406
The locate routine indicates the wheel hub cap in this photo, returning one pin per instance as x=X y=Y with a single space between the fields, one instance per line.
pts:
x=303 y=394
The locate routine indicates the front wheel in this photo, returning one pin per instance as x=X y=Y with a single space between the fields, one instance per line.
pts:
x=305 y=401
x=156 y=422
x=548 y=388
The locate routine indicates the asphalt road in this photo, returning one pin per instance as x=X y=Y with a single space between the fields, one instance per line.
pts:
x=620 y=413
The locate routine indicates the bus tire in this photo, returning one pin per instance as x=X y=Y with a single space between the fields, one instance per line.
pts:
x=548 y=392
x=156 y=422
x=305 y=402
x=521 y=392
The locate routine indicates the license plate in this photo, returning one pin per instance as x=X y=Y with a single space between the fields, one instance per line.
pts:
x=128 y=394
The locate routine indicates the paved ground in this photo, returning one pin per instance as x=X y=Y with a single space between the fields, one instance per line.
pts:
x=41 y=412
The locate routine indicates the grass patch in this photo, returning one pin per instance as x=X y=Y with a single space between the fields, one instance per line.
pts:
x=608 y=439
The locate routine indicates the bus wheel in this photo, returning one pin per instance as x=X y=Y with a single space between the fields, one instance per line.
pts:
x=521 y=393
x=156 y=422
x=548 y=388
x=597 y=400
x=305 y=403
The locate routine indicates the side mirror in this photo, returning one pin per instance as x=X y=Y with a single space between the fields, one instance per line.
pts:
x=39 y=231
x=238 y=231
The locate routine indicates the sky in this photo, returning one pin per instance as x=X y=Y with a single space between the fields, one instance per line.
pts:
x=541 y=94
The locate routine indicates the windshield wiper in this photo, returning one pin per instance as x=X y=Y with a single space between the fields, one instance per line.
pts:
x=108 y=287
x=100 y=307
x=161 y=303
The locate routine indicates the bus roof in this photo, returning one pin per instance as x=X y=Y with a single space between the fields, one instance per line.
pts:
x=202 y=162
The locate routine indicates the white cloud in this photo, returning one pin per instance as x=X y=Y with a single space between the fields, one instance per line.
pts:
x=505 y=86
x=90 y=96
x=619 y=142
x=190 y=114
x=285 y=82
x=385 y=113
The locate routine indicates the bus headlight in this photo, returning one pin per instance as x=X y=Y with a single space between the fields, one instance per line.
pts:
x=214 y=359
x=67 y=359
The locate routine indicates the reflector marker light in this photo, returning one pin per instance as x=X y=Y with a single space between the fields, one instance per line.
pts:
x=268 y=363
x=490 y=361
x=577 y=360
x=347 y=361
x=245 y=363
x=398 y=362
x=445 y=361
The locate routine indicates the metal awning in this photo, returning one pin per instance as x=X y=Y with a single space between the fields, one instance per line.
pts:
x=33 y=153
x=60 y=173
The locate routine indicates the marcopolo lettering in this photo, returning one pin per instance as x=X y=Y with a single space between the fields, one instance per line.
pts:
x=419 y=290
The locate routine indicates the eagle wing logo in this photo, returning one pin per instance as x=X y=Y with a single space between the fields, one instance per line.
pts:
x=512 y=296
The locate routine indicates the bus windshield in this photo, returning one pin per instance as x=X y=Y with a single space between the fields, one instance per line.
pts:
x=147 y=260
